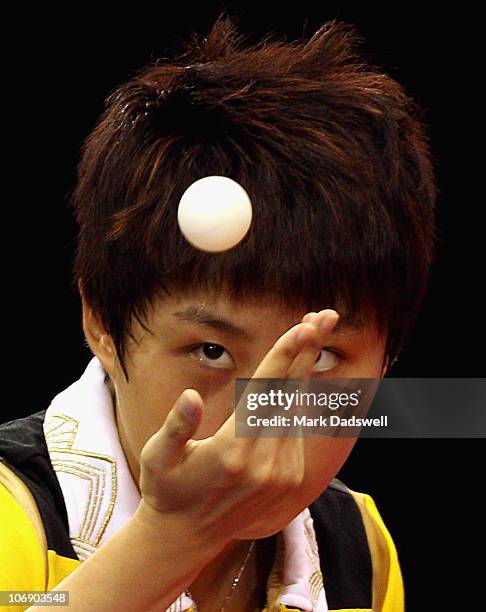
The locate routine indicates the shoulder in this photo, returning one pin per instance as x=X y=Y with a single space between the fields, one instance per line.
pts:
x=359 y=561
x=23 y=450
x=22 y=560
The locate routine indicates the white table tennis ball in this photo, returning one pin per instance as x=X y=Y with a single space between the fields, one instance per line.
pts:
x=214 y=213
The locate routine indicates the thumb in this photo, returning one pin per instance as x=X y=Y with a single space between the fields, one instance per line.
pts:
x=179 y=426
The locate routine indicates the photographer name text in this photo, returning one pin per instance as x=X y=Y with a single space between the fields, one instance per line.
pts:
x=320 y=421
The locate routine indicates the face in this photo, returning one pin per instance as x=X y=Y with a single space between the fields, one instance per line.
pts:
x=205 y=342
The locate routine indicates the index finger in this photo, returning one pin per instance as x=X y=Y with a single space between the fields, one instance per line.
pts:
x=281 y=356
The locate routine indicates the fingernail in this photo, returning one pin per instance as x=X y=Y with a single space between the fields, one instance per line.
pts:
x=328 y=322
x=187 y=407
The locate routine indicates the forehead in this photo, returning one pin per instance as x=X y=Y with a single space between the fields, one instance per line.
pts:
x=242 y=318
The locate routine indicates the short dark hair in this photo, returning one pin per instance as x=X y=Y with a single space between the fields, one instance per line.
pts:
x=332 y=152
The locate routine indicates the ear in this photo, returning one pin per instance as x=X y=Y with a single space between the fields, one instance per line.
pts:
x=100 y=343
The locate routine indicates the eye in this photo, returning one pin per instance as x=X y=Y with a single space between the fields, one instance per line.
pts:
x=213 y=355
x=326 y=360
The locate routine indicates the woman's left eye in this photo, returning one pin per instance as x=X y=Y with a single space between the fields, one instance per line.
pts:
x=211 y=355
x=327 y=360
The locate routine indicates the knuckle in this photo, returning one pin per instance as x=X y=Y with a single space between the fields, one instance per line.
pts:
x=297 y=480
x=256 y=477
x=149 y=461
x=260 y=479
x=174 y=431
x=232 y=466
x=267 y=477
x=256 y=480
x=289 y=481
x=285 y=349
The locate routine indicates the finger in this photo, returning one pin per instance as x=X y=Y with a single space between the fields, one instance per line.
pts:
x=279 y=358
x=301 y=369
x=322 y=325
x=166 y=446
x=304 y=361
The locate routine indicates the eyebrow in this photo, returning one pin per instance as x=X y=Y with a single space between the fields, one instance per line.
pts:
x=195 y=314
x=204 y=317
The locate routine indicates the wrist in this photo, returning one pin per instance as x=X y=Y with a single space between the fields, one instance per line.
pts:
x=156 y=528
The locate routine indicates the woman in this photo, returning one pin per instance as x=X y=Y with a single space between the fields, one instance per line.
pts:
x=147 y=500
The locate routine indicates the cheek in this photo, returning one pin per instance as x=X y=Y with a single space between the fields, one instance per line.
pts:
x=145 y=401
x=323 y=460
x=155 y=391
x=368 y=364
x=218 y=407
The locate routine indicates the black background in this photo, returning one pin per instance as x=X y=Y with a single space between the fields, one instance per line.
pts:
x=63 y=66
